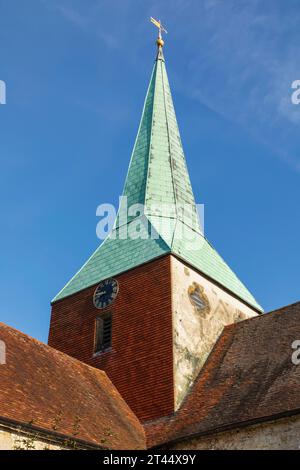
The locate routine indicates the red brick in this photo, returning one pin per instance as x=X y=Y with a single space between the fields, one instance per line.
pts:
x=140 y=363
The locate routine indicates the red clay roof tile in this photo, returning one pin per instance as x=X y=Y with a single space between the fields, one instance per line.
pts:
x=57 y=393
x=249 y=376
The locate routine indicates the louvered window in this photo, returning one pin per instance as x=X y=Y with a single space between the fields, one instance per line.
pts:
x=103 y=332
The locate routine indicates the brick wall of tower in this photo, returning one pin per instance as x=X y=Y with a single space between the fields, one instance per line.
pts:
x=140 y=363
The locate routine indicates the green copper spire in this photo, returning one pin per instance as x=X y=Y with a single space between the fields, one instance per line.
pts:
x=158 y=176
x=158 y=180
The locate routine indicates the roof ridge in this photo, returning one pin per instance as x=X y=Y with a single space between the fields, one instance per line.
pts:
x=50 y=348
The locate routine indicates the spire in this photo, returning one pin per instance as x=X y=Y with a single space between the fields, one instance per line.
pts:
x=158 y=181
x=158 y=176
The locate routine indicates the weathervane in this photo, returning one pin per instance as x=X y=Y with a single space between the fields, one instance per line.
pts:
x=161 y=29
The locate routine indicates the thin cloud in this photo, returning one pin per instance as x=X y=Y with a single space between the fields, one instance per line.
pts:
x=73 y=16
x=238 y=57
x=89 y=22
x=245 y=66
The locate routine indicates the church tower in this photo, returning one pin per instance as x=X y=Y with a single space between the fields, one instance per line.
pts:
x=149 y=305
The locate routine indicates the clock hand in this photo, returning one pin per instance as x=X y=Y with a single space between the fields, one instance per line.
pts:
x=99 y=293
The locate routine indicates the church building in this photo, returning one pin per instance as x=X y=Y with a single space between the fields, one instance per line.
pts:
x=155 y=341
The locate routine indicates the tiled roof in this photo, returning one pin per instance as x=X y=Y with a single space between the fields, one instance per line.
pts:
x=50 y=391
x=248 y=377
x=158 y=178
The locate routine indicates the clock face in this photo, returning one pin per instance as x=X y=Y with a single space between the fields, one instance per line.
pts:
x=106 y=293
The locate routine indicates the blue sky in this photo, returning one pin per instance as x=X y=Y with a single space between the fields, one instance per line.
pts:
x=76 y=73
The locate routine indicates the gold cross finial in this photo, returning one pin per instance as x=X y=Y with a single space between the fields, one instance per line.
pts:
x=161 y=29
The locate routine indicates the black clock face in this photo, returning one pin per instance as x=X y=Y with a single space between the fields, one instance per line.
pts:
x=106 y=293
